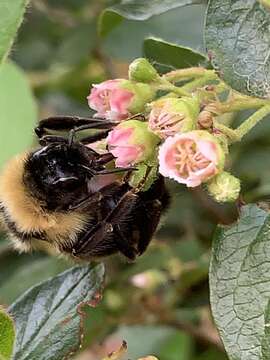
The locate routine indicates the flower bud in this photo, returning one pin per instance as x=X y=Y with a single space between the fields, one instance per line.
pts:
x=205 y=119
x=141 y=70
x=224 y=187
x=131 y=142
x=148 y=280
x=191 y=158
x=170 y=116
x=119 y=98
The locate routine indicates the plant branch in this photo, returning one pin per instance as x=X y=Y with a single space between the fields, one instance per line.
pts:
x=185 y=74
x=253 y=120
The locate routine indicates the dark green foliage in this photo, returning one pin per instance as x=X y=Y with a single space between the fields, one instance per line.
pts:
x=48 y=316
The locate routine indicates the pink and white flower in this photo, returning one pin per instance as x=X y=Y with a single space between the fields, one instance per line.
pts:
x=126 y=153
x=110 y=100
x=191 y=158
x=131 y=142
x=118 y=99
x=170 y=116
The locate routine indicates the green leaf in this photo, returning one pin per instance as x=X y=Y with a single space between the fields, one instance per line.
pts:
x=18 y=112
x=7 y=335
x=48 y=316
x=237 y=37
x=161 y=52
x=183 y=26
x=137 y=10
x=11 y=15
x=240 y=284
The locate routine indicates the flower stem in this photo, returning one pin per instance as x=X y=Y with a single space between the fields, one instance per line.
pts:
x=197 y=83
x=253 y=120
x=184 y=74
x=230 y=133
x=201 y=75
x=245 y=127
x=241 y=103
x=167 y=86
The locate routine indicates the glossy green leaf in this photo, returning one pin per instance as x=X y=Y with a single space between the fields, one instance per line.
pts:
x=18 y=112
x=48 y=316
x=237 y=37
x=7 y=335
x=137 y=10
x=240 y=284
x=11 y=15
x=161 y=52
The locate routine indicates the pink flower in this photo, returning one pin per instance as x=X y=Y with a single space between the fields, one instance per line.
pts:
x=110 y=100
x=131 y=142
x=191 y=158
x=170 y=116
x=119 y=98
x=126 y=154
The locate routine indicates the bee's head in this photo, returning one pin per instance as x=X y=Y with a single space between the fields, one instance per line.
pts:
x=55 y=175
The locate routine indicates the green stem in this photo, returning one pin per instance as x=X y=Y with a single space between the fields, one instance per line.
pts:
x=245 y=127
x=253 y=120
x=202 y=77
x=230 y=133
x=167 y=86
x=239 y=104
x=184 y=74
x=197 y=83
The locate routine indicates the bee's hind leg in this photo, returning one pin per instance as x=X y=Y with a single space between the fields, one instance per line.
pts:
x=111 y=235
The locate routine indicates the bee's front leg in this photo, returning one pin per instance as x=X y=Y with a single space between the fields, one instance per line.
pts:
x=71 y=123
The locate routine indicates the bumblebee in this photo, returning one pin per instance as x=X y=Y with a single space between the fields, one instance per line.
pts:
x=49 y=198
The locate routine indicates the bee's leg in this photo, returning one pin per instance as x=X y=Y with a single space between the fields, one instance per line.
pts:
x=47 y=139
x=93 y=172
x=68 y=123
x=154 y=202
x=95 y=137
x=93 y=125
x=85 y=202
x=128 y=227
x=107 y=190
x=112 y=234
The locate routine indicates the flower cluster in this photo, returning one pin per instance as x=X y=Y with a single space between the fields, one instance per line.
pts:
x=163 y=130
